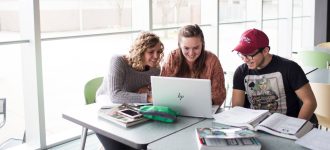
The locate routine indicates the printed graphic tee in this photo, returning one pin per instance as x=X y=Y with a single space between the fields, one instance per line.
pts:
x=272 y=87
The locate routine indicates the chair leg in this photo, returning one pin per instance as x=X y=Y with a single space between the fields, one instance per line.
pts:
x=83 y=138
x=24 y=137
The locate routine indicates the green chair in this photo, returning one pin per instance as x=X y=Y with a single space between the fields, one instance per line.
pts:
x=316 y=59
x=90 y=95
x=90 y=89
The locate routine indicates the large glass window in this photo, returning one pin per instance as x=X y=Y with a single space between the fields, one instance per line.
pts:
x=67 y=66
x=69 y=63
x=302 y=25
x=232 y=11
x=9 y=20
x=11 y=89
x=173 y=13
x=75 y=17
x=234 y=18
x=271 y=21
x=11 y=73
x=170 y=40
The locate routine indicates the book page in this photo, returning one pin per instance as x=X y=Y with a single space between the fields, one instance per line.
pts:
x=283 y=124
x=315 y=139
x=239 y=115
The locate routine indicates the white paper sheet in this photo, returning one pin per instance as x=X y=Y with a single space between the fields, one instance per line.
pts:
x=315 y=139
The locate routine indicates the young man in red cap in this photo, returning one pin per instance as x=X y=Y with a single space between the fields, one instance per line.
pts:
x=267 y=81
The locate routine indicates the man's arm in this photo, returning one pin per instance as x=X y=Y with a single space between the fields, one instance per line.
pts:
x=306 y=95
x=238 y=98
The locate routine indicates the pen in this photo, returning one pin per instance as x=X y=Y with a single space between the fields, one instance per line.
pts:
x=106 y=107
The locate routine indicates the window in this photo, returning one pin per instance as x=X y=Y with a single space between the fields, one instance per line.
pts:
x=69 y=63
x=11 y=70
x=10 y=21
x=302 y=30
x=235 y=17
x=173 y=13
x=11 y=89
x=76 y=17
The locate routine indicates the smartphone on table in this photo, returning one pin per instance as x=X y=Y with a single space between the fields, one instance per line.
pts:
x=130 y=113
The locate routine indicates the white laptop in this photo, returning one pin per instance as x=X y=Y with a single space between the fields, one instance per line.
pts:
x=187 y=96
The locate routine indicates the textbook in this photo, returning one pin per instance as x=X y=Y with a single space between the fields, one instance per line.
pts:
x=123 y=115
x=226 y=139
x=276 y=123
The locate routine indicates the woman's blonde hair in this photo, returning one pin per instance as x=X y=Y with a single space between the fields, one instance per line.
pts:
x=144 y=41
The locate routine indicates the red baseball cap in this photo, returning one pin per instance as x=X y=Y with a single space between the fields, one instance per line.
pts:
x=251 y=40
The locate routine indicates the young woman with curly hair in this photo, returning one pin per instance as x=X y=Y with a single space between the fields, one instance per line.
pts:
x=128 y=78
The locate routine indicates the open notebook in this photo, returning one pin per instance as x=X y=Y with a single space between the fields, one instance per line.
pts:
x=276 y=123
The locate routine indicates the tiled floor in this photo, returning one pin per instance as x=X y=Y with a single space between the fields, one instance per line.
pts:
x=92 y=143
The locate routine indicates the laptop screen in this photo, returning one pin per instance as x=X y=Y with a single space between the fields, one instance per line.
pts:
x=187 y=96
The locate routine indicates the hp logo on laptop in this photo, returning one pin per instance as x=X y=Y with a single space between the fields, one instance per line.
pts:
x=180 y=96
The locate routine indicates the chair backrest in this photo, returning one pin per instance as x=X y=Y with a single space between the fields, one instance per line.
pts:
x=316 y=59
x=324 y=45
x=90 y=89
x=3 y=111
x=322 y=95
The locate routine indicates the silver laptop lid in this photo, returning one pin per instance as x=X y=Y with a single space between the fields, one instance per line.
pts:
x=187 y=96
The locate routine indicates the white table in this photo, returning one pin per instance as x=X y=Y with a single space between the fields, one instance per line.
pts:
x=186 y=140
x=138 y=136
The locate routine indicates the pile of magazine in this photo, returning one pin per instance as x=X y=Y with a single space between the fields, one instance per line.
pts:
x=125 y=115
x=226 y=139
